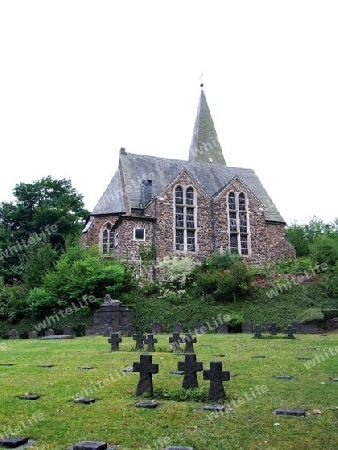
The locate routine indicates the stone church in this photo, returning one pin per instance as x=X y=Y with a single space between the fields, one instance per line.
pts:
x=160 y=206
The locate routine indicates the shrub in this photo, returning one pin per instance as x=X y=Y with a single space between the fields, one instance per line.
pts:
x=310 y=315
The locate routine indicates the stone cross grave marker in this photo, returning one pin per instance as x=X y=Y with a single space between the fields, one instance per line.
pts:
x=178 y=328
x=115 y=341
x=150 y=341
x=33 y=335
x=189 y=343
x=13 y=334
x=216 y=377
x=272 y=328
x=156 y=328
x=139 y=338
x=258 y=331
x=290 y=331
x=130 y=329
x=146 y=369
x=223 y=328
x=175 y=341
x=190 y=368
x=68 y=330
x=49 y=332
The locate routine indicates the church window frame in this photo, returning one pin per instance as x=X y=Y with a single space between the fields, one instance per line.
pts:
x=185 y=210
x=139 y=234
x=238 y=220
x=107 y=238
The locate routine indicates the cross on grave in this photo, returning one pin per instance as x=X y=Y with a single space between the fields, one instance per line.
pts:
x=150 y=341
x=290 y=330
x=272 y=328
x=146 y=369
x=258 y=331
x=216 y=377
x=139 y=338
x=190 y=367
x=175 y=340
x=189 y=343
x=114 y=341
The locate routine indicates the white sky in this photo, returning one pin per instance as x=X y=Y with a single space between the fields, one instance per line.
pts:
x=80 y=79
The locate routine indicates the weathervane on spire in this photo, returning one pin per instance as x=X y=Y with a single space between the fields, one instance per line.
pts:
x=201 y=80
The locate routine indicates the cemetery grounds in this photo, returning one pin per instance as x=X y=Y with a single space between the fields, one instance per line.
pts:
x=86 y=367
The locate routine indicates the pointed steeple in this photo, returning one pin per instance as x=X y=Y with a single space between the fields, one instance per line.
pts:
x=205 y=146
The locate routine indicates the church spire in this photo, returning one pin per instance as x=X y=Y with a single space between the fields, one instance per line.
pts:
x=205 y=146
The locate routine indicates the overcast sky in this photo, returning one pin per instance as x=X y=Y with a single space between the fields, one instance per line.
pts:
x=79 y=80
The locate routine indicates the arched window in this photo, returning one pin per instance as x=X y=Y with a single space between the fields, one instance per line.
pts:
x=238 y=223
x=179 y=196
x=185 y=221
x=107 y=239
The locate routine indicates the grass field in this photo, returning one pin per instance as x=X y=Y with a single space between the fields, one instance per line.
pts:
x=57 y=423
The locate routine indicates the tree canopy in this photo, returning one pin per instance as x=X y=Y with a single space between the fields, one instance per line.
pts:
x=46 y=210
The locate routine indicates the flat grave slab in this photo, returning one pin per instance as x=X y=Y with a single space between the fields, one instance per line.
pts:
x=86 y=367
x=29 y=397
x=146 y=405
x=85 y=400
x=290 y=412
x=304 y=357
x=90 y=445
x=220 y=355
x=334 y=379
x=283 y=377
x=179 y=448
x=13 y=442
x=213 y=408
x=178 y=372
x=46 y=365
x=259 y=356
x=6 y=364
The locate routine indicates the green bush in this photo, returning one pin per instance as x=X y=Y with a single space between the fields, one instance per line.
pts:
x=324 y=249
x=39 y=301
x=310 y=315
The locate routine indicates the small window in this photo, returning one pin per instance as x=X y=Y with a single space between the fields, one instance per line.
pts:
x=107 y=239
x=189 y=196
x=139 y=234
x=190 y=218
x=179 y=217
x=241 y=202
x=232 y=203
x=179 y=195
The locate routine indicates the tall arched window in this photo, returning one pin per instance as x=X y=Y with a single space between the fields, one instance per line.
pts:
x=238 y=223
x=107 y=239
x=185 y=222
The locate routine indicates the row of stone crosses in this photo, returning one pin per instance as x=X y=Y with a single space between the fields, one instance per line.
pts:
x=175 y=340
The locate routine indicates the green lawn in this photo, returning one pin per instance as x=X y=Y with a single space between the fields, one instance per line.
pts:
x=56 y=422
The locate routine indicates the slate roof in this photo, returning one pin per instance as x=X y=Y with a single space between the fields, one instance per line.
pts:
x=205 y=146
x=162 y=171
x=112 y=198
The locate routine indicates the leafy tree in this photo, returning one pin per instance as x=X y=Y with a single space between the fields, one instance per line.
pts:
x=43 y=210
x=36 y=261
x=302 y=236
x=324 y=249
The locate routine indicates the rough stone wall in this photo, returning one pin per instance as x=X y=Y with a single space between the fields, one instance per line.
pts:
x=93 y=235
x=165 y=222
x=267 y=240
